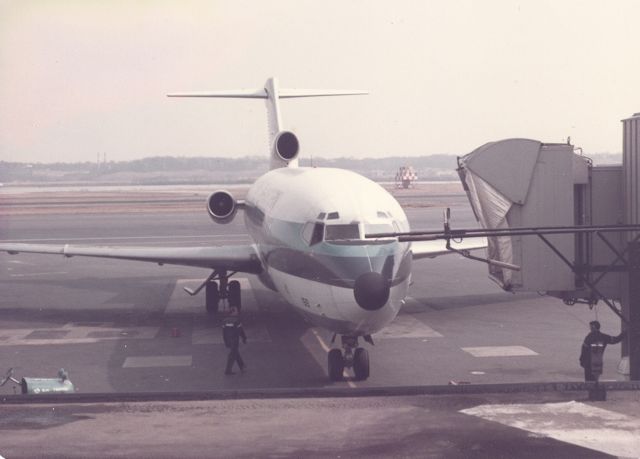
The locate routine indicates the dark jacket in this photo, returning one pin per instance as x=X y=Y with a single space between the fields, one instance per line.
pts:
x=232 y=331
x=596 y=337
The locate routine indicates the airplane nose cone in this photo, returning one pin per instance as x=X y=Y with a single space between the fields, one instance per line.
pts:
x=371 y=291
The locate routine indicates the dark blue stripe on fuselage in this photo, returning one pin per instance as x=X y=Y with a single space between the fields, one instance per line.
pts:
x=335 y=270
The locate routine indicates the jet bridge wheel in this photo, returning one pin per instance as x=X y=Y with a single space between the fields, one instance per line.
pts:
x=336 y=365
x=212 y=297
x=234 y=295
x=361 y=364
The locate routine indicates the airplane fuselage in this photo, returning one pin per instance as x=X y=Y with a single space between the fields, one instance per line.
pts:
x=308 y=225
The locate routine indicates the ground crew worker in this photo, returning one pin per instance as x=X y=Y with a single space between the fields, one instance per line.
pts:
x=232 y=331
x=600 y=341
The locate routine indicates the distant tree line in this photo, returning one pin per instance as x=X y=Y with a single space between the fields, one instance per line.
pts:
x=174 y=169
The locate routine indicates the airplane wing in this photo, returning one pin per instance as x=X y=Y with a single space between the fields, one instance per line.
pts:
x=243 y=258
x=435 y=248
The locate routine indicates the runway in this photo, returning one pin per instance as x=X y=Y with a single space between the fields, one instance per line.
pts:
x=120 y=326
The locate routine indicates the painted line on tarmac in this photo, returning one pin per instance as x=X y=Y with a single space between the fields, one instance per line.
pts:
x=39 y=274
x=571 y=422
x=50 y=342
x=323 y=345
x=155 y=361
x=73 y=334
x=499 y=351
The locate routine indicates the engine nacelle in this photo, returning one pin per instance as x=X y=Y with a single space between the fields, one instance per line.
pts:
x=286 y=146
x=222 y=207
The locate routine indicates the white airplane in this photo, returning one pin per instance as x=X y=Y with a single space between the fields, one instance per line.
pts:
x=308 y=227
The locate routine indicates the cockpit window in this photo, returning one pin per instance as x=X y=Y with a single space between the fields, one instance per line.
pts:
x=321 y=216
x=338 y=232
x=313 y=232
x=316 y=236
x=333 y=216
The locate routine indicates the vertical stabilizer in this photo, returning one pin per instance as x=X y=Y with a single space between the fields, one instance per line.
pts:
x=273 y=108
x=284 y=144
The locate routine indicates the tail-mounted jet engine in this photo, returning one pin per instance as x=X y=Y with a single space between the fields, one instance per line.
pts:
x=222 y=207
x=286 y=146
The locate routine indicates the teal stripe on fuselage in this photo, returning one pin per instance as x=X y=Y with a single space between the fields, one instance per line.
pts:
x=285 y=234
x=282 y=247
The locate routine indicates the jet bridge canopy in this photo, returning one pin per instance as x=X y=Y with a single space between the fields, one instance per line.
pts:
x=525 y=183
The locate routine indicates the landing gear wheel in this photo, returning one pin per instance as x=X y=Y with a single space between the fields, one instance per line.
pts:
x=212 y=297
x=361 y=364
x=234 y=296
x=336 y=365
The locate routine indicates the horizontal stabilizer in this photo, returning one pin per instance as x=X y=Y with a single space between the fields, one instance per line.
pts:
x=262 y=93
x=290 y=93
x=234 y=93
x=281 y=141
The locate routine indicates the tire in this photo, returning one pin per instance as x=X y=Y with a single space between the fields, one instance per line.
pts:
x=336 y=365
x=234 y=295
x=212 y=297
x=361 y=364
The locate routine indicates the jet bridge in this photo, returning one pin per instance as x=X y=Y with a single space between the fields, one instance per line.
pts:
x=519 y=183
x=557 y=194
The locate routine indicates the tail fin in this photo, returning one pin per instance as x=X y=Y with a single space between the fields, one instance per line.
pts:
x=284 y=144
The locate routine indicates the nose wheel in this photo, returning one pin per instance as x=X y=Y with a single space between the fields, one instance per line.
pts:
x=336 y=365
x=351 y=356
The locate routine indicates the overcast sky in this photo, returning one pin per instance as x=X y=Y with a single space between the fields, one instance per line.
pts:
x=83 y=77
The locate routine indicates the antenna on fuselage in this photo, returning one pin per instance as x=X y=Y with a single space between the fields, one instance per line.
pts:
x=284 y=144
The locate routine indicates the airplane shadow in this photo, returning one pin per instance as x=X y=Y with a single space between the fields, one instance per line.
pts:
x=422 y=304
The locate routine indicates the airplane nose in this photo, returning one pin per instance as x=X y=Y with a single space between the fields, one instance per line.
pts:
x=371 y=291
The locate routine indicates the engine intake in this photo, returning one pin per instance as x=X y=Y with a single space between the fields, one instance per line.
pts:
x=286 y=145
x=222 y=207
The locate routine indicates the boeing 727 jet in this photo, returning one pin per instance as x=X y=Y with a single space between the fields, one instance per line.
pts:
x=308 y=227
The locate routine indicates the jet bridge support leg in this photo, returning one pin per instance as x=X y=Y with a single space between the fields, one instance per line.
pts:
x=631 y=309
x=586 y=282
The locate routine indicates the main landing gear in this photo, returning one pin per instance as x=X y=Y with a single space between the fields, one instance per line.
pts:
x=352 y=357
x=218 y=287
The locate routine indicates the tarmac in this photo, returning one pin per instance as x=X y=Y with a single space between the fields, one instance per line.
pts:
x=524 y=424
x=466 y=370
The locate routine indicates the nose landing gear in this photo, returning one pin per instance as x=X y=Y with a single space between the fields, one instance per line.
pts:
x=218 y=287
x=352 y=357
